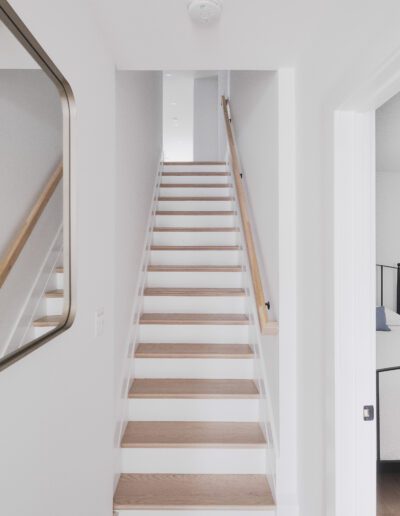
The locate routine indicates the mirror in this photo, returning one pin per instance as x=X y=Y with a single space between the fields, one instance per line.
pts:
x=35 y=279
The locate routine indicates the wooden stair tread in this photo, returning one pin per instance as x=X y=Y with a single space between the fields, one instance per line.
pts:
x=48 y=320
x=197 y=198
x=197 y=213
x=170 y=163
x=195 y=230
x=195 y=292
x=195 y=247
x=55 y=293
x=195 y=268
x=194 y=319
x=191 y=492
x=195 y=185
x=184 y=434
x=196 y=174
x=176 y=350
x=178 y=388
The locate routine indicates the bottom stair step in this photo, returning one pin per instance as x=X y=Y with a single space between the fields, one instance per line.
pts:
x=192 y=492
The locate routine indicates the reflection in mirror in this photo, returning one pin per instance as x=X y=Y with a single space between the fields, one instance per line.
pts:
x=32 y=300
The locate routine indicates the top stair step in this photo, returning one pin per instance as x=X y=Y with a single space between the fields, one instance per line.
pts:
x=195 y=185
x=193 y=163
x=196 y=174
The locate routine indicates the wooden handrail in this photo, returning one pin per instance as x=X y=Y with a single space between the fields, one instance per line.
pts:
x=18 y=243
x=266 y=327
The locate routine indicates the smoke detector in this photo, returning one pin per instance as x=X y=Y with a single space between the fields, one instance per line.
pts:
x=205 y=11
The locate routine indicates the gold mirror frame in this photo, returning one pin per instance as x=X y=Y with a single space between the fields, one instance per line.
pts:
x=9 y=17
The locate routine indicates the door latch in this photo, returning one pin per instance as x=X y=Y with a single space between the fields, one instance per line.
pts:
x=369 y=413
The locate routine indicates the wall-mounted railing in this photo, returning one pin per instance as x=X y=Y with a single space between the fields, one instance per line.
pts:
x=16 y=246
x=266 y=326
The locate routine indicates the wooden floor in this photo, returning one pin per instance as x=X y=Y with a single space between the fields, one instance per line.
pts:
x=388 y=494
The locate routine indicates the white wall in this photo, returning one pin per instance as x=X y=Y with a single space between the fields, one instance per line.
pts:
x=205 y=134
x=57 y=422
x=139 y=145
x=13 y=55
x=178 y=112
x=223 y=90
x=254 y=111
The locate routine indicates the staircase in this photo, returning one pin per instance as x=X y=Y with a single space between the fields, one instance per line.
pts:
x=51 y=306
x=196 y=439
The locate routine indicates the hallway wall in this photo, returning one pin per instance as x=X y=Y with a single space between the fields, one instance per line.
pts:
x=57 y=404
x=254 y=107
x=205 y=132
x=139 y=145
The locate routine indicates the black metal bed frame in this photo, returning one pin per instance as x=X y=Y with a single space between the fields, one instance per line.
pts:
x=386 y=464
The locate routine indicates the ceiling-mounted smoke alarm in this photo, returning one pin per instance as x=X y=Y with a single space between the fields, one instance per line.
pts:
x=205 y=11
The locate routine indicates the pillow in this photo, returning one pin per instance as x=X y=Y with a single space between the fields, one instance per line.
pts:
x=381 y=324
x=392 y=318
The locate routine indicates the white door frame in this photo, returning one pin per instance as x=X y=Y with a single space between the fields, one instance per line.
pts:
x=354 y=291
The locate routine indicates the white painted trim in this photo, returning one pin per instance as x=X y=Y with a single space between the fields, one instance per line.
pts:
x=354 y=284
x=354 y=313
x=287 y=463
x=128 y=372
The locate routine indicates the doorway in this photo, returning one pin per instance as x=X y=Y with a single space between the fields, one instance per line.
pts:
x=355 y=288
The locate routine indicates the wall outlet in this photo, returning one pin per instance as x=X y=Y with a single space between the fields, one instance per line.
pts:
x=99 y=322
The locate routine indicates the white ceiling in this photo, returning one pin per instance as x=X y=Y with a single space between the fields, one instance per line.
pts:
x=252 y=34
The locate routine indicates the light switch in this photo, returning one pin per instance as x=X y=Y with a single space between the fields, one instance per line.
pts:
x=99 y=322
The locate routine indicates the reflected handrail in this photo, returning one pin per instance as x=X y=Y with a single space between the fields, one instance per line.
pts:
x=18 y=243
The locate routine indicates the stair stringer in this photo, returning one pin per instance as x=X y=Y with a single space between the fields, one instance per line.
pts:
x=267 y=417
x=128 y=370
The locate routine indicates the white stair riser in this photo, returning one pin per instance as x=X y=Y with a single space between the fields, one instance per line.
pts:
x=194 y=304
x=186 y=191
x=54 y=305
x=195 y=238
x=196 y=333
x=194 y=461
x=195 y=257
x=195 y=205
x=217 y=512
x=238 y=410
x=195 y=221
x=238 y=368
x=39 y=332
x=195 y=168
x=198 y=179
x=195 y=279
x=60 y=280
